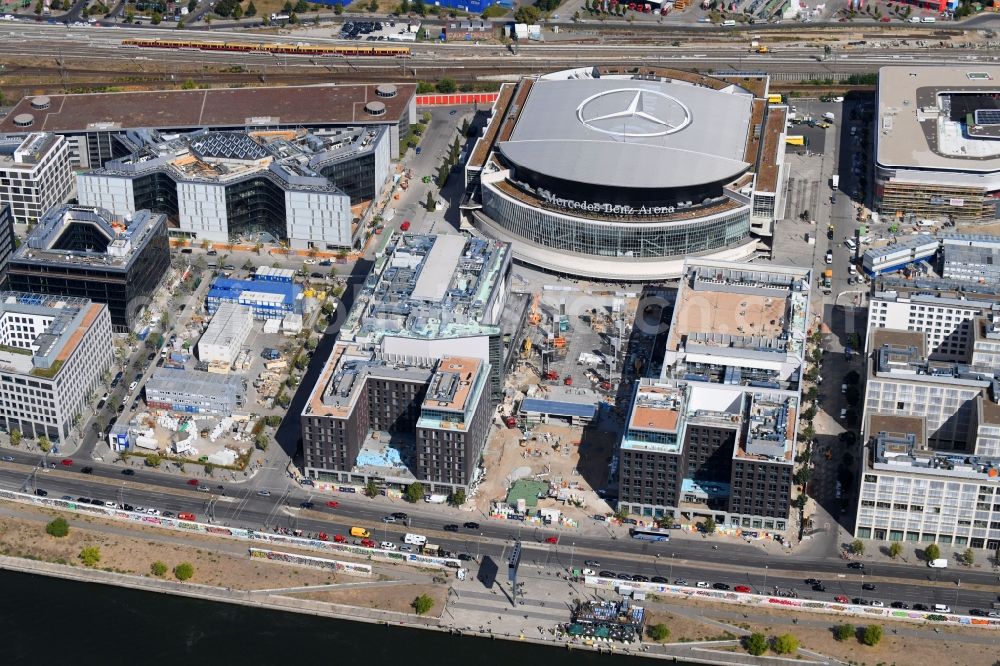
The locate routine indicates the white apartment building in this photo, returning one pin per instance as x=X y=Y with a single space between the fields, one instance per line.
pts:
x=225 y=335
x=35 y=174
x=53 y=351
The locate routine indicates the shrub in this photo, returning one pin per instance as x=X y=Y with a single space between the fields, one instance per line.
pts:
x=843 y=632
x=756 y=644
x=422 y=604
x=57 y=528
x=90 y=556
x=658 y=632
x=786 y=644
x=183 y=571
x=872 y=634
x=158 y=568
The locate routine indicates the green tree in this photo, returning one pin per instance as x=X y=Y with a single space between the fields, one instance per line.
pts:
x=857 y=547
x=429 y=204
x=756 y=644
x=786 y=644
x=287 y=8
x=261 y=441
x=44 y=444
x=209 y=469
x=803 y=475
x=843 y=632
x=658 y=632
x=371 y=489
x=189 y=84
x=621 y=513
x=251 y=10
x=872 y=635
x=237 y=12
x=156 y=18
x=129 y=14
x=404 y=7
x=932 y=552
x=301 y=7
x=192 y=4
x=90 y=556
x=422 y=604
x=272 y=421
x=527 y=14
x=373 y=6
x=708 y=525
x=311 y=344
x=38 y=7
x=457 y=498
x=419 y=7
x=969 y=557
x=158 y=568
x=57 y=528
x=414 y=492
x=15 y=437
x=895 y=549
x=153 y=460
x=446 y=86
x=183 y=571
x=338 y=9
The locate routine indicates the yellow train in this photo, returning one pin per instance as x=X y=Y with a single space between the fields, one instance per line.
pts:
x=361 y=49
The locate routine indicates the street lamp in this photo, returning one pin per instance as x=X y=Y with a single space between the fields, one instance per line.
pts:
x=671 y=574
x=765 y=577
x=572 y=546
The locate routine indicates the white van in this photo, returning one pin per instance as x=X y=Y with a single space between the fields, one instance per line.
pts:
x=942 y=608
x=928 y=19
x=939 y=563
x=415 y=539
x=729 y=23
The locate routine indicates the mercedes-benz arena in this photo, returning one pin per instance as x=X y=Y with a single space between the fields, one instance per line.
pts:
x=621 y=175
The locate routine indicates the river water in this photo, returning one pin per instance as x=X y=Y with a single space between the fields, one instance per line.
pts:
x=54 y=621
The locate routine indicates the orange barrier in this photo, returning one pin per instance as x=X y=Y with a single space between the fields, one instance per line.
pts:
x=456 y=99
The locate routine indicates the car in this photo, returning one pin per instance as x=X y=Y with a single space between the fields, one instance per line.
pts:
x=399 y=515
x=451 y=528
x=452 y=112
x=87 y=470
x=743 y=589
x=388 y=545
x=976 y=612
x=317 y=276
x=212 y=253
x=333 y=504
x=229 y=267
x=721 y=586
x=264 y=493
x=68 y=498
x=388 y=519
x=920 y=607
x=819 y=587
x=859 y=601
x=841 y=599
x=8 y=458
x=607 y=574
x=471 y=526
x=868 y=586
x=465 y=557
x=121 y=408
x=702 y=583
x=638 y=578
x=135 y=404
x=153 y=512
x=813 y=581
x=339 y=538
x=186 y=250
x=876 y=604
x=151 y=356
x=552 y=539
x=40 y=492
x=855 y=565
x=67 y=462
x=193 y=482
x=592 y=563
x=184 y=515
x=139 y=509
x=128 y=471
x=406 y=548
x=307 y=505
x=623 y=576
x=170 y=514
x=131 y=387
x=588 y=572
x=325 y=262
x=900 y=604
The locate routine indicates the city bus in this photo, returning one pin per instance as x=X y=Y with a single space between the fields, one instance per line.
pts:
x=649 y=534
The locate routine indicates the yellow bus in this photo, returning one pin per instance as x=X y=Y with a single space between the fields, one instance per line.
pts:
x=795 y=140
x=774 y=99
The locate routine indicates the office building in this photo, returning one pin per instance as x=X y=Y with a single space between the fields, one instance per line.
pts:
x=223 y=340
x=35 y=174
x=715 y=433
x=96 y=124
x=89 y=253
x=311 y=189
x=972 y=257
x=431 y=296
x=53 y=351
x=931 y=433
x=7 y=238
x=937 y=153
x=396 y=422
x=622 y=173
x=195 y=392
x=266 y=299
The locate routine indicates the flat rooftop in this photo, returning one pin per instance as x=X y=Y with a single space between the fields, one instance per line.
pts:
x=220 y=107
x=656 y=408
x=452 y=383
x=65 y=321
x=913 y=130
x=896 y=338
x=25 y=152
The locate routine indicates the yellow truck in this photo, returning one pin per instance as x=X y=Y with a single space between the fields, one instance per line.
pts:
x=795 y=140
x=360 y=532
x=773 y=99
x=764 y=49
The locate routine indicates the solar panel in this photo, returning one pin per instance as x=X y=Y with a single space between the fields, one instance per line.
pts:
x=987 y=116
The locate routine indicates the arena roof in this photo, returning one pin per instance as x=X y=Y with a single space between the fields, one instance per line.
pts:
x=623 y=132
x=221 y=107
x=908 y=130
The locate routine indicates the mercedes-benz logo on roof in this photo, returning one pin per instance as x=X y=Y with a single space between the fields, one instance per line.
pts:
x=633 y=112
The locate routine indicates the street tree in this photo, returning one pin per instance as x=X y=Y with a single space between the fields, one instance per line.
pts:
x=422 y=604
x=843 y=632
x=457 y=498
x=429 y=204
x=44 y=444
x=658 y=632
x=708 y=525
x=969 y=557
x=15 y=437
x=414 y=492
x=857 y=547
x=371 y=489
x=756 y=644
x=261 y=441
x=932 y=552
x=872 y=635
x=57 y=528
x=183 y=571
x=153 y=460
x=895 y=549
